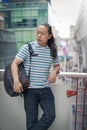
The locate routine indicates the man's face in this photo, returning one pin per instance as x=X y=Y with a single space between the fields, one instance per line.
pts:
x=42 y=35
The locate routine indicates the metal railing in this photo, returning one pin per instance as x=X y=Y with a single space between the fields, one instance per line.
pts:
x=73 y=74
x=69 y=93
x=77 y=76
x=62 y=74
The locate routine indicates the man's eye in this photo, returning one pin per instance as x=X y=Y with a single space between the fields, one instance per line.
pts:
x=37 y=32
x=41 y=33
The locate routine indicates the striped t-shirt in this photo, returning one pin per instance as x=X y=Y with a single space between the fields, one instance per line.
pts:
x=40 y=64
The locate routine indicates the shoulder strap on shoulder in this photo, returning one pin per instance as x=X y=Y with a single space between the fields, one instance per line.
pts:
x=31 y=51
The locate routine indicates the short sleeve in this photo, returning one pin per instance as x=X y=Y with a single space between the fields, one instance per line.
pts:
x=55 y=61
x=23 y=52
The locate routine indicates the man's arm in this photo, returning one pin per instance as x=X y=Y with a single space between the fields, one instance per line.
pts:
x=14 y=68
x=55 y=71
x=56 y=68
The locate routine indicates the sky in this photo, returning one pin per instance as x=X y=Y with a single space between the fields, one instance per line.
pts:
x=63 y=14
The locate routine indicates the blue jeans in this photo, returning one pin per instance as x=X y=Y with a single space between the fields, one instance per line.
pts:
x=44 y=97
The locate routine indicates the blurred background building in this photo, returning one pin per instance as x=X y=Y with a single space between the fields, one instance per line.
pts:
x=18 y=22
x=21 y=17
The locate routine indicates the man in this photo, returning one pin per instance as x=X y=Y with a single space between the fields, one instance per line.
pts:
x=39 y=91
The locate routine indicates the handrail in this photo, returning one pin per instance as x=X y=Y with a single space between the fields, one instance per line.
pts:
x=1 y=70
x=73 y=74
x=64 y=74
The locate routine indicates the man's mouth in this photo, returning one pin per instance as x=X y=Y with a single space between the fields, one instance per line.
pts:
x=38 y=40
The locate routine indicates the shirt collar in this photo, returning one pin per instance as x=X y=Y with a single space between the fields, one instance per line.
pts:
x=40 y=46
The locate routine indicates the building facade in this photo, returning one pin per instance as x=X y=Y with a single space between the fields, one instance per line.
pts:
x=23 y=18
x=8 y=48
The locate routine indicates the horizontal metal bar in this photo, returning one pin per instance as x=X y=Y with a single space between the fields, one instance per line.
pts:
x=66 y=74
x=73 y=74
x=82 y=112
x=1 y=70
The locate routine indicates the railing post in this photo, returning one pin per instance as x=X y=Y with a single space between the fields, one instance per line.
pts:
x=76 y=102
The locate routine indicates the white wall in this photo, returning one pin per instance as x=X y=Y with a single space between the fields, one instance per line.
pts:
x=12 y=115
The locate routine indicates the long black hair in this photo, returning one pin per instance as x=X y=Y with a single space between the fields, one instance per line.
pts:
x=51 y=41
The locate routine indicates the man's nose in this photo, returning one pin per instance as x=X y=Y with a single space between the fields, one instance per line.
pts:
x=39 y=34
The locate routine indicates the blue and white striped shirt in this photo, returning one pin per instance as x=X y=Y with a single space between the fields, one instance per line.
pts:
x=40 y=64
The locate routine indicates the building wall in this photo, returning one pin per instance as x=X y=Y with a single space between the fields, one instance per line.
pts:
x=81 y=32
x=24 y=18
x=1 y=21
x=8 y=47
x=81 y=39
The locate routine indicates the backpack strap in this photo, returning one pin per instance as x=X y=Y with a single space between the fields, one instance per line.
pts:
x=32 y=53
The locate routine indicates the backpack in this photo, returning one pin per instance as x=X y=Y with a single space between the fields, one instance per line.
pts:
x=23 y=78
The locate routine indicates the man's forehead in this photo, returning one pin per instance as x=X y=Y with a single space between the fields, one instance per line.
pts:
x=42 y=28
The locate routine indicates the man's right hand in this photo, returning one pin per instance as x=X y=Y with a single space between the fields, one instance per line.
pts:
x=18 y=86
